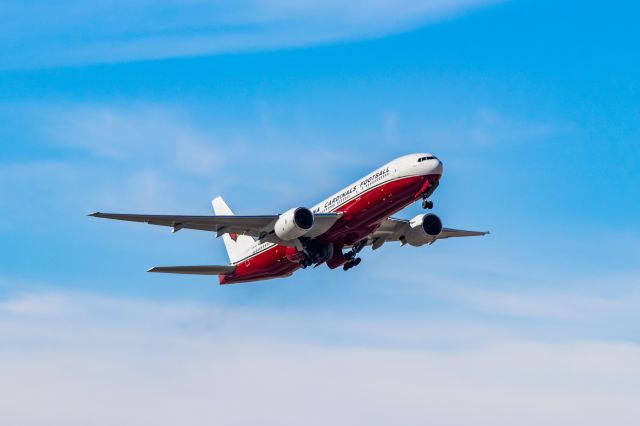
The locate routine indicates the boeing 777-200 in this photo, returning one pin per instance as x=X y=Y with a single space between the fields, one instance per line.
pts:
x=332 y=232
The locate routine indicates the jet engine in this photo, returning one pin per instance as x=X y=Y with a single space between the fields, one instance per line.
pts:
x=294 y=223
x=423 y=229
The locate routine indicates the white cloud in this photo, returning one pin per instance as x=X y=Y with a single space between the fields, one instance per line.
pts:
x=34 y=305
x=115 y=30
x=106 y=360
x=141 y=133
x=155 y=156
x=487 y=126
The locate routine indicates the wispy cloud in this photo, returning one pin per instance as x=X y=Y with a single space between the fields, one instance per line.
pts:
x=166 y=363
x=144 y=134
x=34 y=305
x=45 y=33
x=156 y=157
x=488 y=126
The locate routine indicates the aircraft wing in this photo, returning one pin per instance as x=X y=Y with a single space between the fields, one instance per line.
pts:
x=194 y=270
x=255 y=226
x=450 y=233
x=392 y=229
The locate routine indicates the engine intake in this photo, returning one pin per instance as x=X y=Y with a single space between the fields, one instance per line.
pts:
x=423 y=229
x=432 y=225
x=294 y=223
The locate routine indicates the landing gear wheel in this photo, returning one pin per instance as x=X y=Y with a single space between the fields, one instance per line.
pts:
x=350 y=264
x=306 y=262
x=426 y=204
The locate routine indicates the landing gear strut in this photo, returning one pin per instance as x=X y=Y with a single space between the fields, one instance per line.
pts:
x=314 y=253
x=426 y=204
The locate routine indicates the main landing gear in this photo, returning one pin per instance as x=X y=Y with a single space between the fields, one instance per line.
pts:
x=352 y=260
x=351 y=263
x=314 y=253
x=426 y=204
x=306 y=262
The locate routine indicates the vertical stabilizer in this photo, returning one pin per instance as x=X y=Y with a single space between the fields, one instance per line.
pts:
x=237 y=246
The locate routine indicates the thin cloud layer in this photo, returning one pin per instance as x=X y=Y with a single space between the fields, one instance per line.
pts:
x=88 y=359
x=45 y=33
x=157 y=156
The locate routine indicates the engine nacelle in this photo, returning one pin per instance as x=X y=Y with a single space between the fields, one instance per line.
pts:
x=423 y=229
x=294 y=224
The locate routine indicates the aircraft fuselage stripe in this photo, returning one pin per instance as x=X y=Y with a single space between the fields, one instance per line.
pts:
x=334 y=209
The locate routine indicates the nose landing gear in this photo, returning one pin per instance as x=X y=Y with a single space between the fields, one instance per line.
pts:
x=426 y=204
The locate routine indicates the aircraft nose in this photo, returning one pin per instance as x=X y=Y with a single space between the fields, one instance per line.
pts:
x=438 y=167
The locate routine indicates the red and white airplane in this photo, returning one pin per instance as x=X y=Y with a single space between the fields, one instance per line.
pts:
x=332 y=232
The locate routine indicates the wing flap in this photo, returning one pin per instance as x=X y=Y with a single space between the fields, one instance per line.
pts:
x=194 y=270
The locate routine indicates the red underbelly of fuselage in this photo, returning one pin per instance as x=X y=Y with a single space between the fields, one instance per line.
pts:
x=361 y=216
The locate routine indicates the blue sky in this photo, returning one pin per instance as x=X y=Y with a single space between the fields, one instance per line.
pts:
x=156 y=107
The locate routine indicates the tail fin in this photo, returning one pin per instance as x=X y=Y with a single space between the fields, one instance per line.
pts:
x=237 y=246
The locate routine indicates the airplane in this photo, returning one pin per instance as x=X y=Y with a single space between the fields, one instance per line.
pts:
x=332 y=232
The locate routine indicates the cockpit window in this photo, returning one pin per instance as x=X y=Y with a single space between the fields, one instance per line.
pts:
x=429 y=157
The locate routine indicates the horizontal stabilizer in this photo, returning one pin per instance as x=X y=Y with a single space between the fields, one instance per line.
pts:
x=194 y=270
